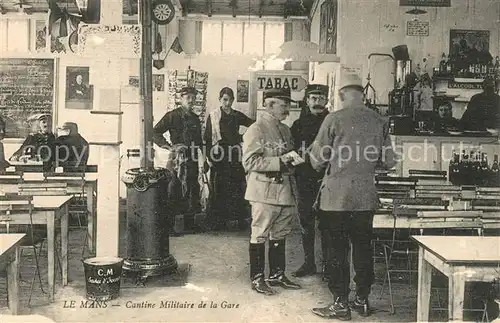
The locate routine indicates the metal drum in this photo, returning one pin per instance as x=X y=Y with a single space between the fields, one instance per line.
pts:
x=149 y=220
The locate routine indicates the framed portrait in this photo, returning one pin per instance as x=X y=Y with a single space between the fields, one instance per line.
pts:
x=242 y=87
x=159 y=82
x=79 y=93
x=328 y=35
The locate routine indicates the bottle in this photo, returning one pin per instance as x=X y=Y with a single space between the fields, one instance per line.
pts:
x=464 y=168
x=485 y=169
x=491 y=69
x=454 y=168
x=497 y=67
x=495 y=172
x=442 y=64
x=449 y=66
x=484 y=69
x=472 y=70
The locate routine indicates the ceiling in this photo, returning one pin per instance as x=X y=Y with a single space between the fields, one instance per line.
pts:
x=234 y=8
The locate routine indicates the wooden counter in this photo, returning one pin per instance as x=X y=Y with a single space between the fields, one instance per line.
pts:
x=434 y=152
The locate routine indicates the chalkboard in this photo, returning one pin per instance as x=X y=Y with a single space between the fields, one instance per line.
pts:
x=26 y=88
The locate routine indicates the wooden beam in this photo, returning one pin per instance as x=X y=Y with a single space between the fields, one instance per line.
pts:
x=209 y=7
x=185 y=7
x=261 y=8
x=288 y=9
x=234 y=6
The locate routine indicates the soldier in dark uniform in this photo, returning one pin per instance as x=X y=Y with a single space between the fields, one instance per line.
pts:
x=185 y=131
x=72 y=150
x=304 y=130
x=39 y=145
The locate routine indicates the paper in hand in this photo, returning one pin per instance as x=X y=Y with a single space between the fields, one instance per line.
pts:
x=297 y=160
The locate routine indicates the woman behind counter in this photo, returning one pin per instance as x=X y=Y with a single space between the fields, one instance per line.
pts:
x=227 y=176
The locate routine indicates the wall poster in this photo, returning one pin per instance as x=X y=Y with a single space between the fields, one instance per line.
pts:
x=465 y=42
x=328 y=36
x=242 y=87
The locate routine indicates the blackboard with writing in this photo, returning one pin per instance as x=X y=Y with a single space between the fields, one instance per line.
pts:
x=26 y=88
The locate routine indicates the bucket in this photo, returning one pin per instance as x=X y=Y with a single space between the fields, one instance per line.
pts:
x=102 y=277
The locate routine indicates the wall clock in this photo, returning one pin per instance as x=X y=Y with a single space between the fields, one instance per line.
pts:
x=163 y=12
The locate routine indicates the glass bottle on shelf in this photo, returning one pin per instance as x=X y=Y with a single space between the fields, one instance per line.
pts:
x=491 y=69
x=495 y=172
x=449 y=66
x=442 y=64
x=497 y=67
x=485 y=169
x=454 y=168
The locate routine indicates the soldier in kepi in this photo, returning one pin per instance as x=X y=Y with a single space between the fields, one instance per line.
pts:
x=304 y=130
x=271 y=191
x=40 y=144
x=185 y=135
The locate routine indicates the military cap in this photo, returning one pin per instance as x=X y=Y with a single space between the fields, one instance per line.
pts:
x=39 y=116
x=188 y=90
x=284 y=94
x=317 y=89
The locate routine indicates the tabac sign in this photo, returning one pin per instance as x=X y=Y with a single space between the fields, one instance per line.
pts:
x=295 y=83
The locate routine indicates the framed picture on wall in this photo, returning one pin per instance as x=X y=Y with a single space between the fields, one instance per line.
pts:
x=469 y=46
x=242 y=87
x=328 y=35
x=159 y=82
x=79 y=93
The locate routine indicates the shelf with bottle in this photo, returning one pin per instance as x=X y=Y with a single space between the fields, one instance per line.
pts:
x=472 y=168
x=449 y=69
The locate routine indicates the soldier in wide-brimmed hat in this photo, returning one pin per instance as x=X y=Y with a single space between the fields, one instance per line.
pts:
x=358 y=141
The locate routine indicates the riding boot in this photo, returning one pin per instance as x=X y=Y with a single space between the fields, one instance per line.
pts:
x=325 y=247
x=308 y=268
x=257 y=264
x=277 y=263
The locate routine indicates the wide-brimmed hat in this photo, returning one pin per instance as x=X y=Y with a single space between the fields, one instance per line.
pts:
x=350 y=80
x=283 y=94
x=316 y=89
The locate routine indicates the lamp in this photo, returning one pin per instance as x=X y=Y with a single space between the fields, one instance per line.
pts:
x=416 y=11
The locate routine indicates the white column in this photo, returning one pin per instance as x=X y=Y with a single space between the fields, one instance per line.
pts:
x=108 y=190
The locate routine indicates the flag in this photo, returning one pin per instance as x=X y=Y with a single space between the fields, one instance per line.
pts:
x=176 y=46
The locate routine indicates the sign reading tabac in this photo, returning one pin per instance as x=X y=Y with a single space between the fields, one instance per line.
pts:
x=294 y=83
x=425 y=3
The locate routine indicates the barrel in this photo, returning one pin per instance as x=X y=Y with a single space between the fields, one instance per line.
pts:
x=102 y=277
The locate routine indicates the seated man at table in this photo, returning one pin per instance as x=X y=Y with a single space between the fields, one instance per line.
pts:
x=71 y=149
x=38 y=146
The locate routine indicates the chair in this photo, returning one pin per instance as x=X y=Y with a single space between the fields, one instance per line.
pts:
x=10 y=206
x=405 y=250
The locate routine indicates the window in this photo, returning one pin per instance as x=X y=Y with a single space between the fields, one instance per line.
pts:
x=18 y=35
x=232 y=38
x=242 y=37
x=254 y=38
x=211 y=39
x=274 y=37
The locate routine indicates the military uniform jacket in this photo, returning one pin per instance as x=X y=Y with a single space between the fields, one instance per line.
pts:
x=263 y=143
x=350 y=144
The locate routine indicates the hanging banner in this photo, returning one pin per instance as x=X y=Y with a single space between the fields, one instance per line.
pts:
x=425 y=3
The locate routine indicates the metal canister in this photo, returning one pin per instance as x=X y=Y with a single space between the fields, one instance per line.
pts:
x=149 y=218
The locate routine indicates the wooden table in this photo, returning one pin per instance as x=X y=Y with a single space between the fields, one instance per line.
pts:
x=462 y=259
x=48 y=209
x=74 y=187
x=9 y=258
